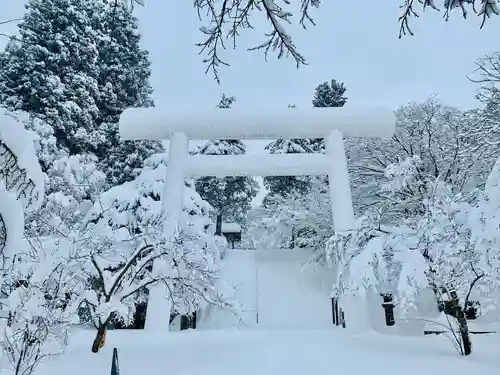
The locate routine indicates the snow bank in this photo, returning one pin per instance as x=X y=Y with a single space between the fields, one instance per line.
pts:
x=156 y=123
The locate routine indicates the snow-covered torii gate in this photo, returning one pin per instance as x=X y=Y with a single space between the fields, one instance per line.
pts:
x=181 y=127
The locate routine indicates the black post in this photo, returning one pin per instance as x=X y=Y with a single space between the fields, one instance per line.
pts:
x=184 y=322
x=335 y=311
x=115 y=369
x=388 y=306
x=194 y=319
x=218 y=225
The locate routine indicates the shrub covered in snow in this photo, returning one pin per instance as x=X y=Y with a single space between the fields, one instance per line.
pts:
x=122 y=248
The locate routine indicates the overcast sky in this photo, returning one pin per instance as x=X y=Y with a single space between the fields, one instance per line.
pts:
x=360 y=48
x=357 y=46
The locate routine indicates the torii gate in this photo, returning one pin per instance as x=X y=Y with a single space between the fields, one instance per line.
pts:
x=329 y=123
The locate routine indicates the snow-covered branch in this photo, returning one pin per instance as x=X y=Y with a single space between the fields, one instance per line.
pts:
x=483 y=8
x=228 y=18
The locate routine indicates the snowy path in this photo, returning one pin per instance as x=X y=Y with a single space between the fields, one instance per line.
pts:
x=259 y=352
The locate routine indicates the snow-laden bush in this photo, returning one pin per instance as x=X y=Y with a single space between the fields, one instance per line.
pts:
x=122 y=249
x=450 y=249
x=34 y=284
x=36 y=306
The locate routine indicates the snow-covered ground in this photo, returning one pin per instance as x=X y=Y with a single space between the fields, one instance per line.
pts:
x=290 y=299
x=273 y=352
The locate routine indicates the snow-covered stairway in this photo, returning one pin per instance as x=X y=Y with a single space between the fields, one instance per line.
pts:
x=276 y=291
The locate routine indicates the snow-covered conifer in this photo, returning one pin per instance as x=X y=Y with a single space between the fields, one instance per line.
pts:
x=327 y=94
x=285 y=186
x=230 y=196
x=77 y=65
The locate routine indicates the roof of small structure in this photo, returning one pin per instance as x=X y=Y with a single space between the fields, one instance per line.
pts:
x=231 y=228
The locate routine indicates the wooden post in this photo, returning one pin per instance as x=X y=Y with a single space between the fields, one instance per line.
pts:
x=194 y=317
x=333 y=308
x=188 y=321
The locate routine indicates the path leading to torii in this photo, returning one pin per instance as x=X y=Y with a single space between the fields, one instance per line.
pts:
x=277 y=291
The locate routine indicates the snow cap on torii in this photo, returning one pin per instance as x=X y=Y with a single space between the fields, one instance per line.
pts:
x=157 y=123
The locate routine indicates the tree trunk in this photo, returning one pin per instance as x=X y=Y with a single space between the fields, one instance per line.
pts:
x=459 y=315
x=100 y=338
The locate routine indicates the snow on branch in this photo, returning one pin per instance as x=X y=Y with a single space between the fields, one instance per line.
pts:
x=486 y=9
x=123 y=274
x=20 y=171
x=237 y=14
x=14 y=177
x=35 y=305
x=448 y=251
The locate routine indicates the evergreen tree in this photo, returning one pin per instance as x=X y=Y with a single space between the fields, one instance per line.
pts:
x=77 y=65
x=124 y=72
x=327 y=94
x=330 y=94
x=280 y=186
x=286 y=185
x=230 y=196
